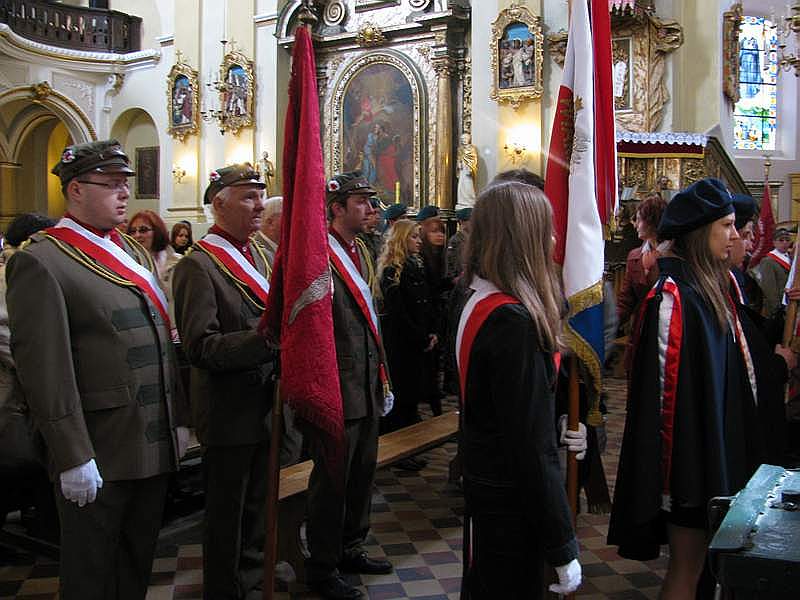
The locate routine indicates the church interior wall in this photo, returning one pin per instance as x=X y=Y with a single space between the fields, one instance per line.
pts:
x=134 y=129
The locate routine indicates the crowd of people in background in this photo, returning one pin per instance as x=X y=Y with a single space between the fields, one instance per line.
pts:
x=476 y=314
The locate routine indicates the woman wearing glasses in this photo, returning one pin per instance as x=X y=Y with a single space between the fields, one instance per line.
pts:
x=147 y=228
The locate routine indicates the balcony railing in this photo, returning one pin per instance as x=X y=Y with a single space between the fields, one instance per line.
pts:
x=74 y=27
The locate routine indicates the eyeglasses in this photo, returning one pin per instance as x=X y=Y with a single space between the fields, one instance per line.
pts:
x=116 y=187
x=139 y=229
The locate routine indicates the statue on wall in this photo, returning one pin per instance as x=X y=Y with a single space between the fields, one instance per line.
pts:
x=467 y=172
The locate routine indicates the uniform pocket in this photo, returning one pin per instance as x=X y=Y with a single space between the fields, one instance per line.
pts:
x=104 y=399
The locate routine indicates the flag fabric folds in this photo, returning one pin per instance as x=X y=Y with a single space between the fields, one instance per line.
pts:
x=605 y=144
x=299 y=313
x=570 y=184
x=765 y=227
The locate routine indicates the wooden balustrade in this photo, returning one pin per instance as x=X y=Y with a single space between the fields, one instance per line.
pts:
x=74 y=27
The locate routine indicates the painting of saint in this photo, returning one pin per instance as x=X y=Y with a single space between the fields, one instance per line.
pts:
x=376 y=137
x=236 y=91
x=182 y=101
x=516 y=52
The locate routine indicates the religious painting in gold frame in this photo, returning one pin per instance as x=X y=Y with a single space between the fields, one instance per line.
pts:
x=237 y=96
x=622 y=72
x=517 y=56
x=182 y=100
x=378 y=126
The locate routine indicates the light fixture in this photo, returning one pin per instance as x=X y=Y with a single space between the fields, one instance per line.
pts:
x=785 y=26
x=210 y=110
x=178 y=173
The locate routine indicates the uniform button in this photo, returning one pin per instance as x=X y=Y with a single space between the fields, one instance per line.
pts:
x=153 y=314
x=369 y=355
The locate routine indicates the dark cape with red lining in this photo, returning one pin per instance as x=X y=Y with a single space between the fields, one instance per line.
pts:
x=713 y=409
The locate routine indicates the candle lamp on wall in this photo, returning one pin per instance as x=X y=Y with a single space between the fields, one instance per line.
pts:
x=178 y=173
x=516 y=150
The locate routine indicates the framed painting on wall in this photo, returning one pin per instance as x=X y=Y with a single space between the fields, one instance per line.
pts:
x=182 y=100
x=237 y=98
x=147 y=172
x=622 y=71
x=379 y=120
x=517 y=56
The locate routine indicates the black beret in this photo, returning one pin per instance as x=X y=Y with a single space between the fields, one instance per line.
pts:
x=745 y=208
x=239 y=174
x=343 y=185
x=464 y=214
x=427 y=212
x=105 y=156
x=701 y=203
x=25 y=225
x=395 y=211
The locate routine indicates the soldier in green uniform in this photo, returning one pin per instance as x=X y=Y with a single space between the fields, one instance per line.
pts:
x=91 y=340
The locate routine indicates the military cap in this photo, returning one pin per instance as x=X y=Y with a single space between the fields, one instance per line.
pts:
x=701 y=203
x=745 y=208
x=780 y=232
x=238 y=174
x=105 y=156
x=464 y=214
x=427 y=212
x=395 y=211
x=339 y=187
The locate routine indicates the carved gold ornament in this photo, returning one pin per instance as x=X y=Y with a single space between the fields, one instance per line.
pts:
x=370 y=34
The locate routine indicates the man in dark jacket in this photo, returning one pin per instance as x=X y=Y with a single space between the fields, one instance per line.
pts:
x=338 y=512
x=220 y=290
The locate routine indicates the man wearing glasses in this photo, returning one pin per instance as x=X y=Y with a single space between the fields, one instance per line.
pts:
x=91 y=338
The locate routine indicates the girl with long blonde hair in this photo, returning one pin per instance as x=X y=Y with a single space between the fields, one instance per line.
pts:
x=507 y=335
x=407 y=321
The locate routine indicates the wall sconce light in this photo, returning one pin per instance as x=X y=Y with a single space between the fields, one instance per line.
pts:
x=178 y=173
x=516 y=150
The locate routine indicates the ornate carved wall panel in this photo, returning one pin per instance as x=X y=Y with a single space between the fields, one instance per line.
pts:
x=412 y=52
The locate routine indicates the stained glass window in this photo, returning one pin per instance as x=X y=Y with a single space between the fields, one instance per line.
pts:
x=755 y=114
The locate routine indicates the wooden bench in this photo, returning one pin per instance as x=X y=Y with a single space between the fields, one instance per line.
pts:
x=392 y=447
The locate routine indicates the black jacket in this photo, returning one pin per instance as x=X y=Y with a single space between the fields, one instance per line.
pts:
x=508 y=438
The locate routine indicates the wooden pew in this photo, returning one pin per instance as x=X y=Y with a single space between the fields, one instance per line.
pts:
x=392 y=447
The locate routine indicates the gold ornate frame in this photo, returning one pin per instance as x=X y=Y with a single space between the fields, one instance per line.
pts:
x=509 y=16
x=732 y=20
x=335 y=131
x=230 y=120
x=181 y=68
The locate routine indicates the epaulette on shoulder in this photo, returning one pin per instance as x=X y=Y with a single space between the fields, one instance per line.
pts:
x=144 y=255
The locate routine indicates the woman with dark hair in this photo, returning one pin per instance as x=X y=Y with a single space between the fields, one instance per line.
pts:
x=181 y=237
x=689 y=429
x=641 y=269
x=507 y=337
x=147 y=228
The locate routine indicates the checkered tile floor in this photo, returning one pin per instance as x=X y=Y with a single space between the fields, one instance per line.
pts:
x=416 y=523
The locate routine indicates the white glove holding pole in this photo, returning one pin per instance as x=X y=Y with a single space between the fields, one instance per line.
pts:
x=575 y=441
x=569 y=578
x=80 y=484
x=388 y=403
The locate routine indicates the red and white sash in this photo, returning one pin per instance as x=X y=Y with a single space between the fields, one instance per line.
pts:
x=359 y=289
x=780 y=258
x=112 y=257
x=235 y=261
x=481 y=304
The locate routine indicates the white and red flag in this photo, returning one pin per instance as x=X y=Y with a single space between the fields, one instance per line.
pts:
x=299 y=313
x=571 y=185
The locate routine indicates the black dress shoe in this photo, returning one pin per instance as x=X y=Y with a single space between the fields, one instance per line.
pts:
x=335 y=588
x=361 y=563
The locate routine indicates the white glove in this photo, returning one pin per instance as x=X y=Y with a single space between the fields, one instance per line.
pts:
x=80 y=484
x=569 y=578
x=388 y=404
x=182 y=435
x=575 y=441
